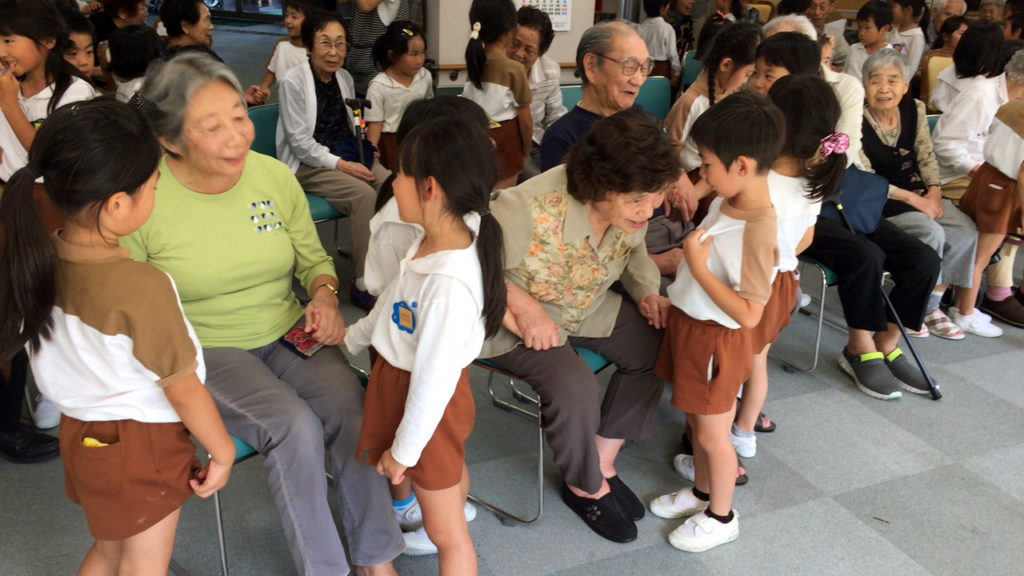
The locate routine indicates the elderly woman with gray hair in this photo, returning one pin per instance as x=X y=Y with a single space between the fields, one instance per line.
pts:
x=232 y=228
x=897 y=144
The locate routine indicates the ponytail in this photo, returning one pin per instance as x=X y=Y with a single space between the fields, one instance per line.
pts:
x=489 y=20
x=812 y=111
x=457 y=152
x=490 y=248
x=28 y=268
x=83 y=134
x=736 y=41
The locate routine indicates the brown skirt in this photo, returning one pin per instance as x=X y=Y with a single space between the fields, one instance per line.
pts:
x=705 y=362
x=777 y=312
x=133 y=482
x=508 y=145
x=388 y=148
x=992 y=201
x=440 y=464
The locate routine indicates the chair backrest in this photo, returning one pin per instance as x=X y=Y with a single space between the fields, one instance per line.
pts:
x=764 y=9
x=655 y=96
x=571 y=95
x=448 y=90
x=933 y=62
x=933 y=119
x=691 y=68
x=264 y=119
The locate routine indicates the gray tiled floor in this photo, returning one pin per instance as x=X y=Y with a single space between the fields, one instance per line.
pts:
x=846 y=485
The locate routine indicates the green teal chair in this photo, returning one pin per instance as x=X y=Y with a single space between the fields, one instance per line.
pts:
x=595 y=361
x=571 y=95
x=243 y=451
x=691 y=68
x=933 y=119
x=264 y=120
x=448 y=90
x=655 y=96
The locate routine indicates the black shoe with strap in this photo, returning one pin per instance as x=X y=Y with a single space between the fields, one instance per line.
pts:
x=628 y=502
x=602 y=515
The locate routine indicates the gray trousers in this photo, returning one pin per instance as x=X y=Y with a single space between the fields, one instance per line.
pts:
x=289 y=409
x=350 y=196
x=954 y=237
x=569 y=392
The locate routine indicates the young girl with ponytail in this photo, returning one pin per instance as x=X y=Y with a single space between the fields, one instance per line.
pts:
x=430 y=323
x=499 y=85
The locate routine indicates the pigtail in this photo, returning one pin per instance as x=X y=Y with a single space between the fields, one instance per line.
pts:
x=28 y=269
x=823 y=175
x=490 y=247
x=476 y=57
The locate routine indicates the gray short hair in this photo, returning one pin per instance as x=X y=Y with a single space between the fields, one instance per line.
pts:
x=598 y=40
x=791 y=23
x=1015 y=68
x=882 y=59
x=169 y=87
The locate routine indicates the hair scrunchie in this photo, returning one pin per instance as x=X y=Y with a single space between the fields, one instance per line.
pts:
x=834 y=143
x=475 y=34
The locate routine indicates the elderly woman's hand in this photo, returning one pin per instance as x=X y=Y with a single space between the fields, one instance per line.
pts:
x=682 y=197
x=355 y=169
x=538 y=330
x=323 y=320
x=655 y=307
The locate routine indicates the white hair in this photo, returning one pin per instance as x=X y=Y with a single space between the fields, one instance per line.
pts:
x=883 y=58
x=791 y=23
x=939 y=5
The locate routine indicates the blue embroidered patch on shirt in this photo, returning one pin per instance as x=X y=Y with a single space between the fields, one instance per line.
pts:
x=404 y=316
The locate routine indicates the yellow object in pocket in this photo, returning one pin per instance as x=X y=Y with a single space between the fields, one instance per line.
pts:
x=90 y=442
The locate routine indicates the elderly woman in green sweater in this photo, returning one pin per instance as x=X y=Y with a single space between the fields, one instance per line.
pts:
x=232 y=227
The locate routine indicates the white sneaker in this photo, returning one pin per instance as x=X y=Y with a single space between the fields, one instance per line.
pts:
x=975 y=324
x=412 y=518
x=417 y=543
x=677 y=504
x=44 y=413
x=683 y=463
x=746 y=446
x=700 y=533
x=805 y=300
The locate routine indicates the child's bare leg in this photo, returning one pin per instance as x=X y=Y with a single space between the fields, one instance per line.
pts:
x=507 y=182
x=755 y=390
x=711 y=438
x=988 y=244
x=401 y=491
x=146 y=553
x=445 y=523
x=701 y=480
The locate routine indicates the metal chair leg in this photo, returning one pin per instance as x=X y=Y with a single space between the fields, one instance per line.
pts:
x=220 y=534
x=793 y=368
x=177 y=569
x=507 y=518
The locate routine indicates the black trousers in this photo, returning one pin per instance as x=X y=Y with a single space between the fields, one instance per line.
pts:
x=860 y=260
x=12 y=393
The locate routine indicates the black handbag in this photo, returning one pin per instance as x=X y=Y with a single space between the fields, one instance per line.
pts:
x=858 y=201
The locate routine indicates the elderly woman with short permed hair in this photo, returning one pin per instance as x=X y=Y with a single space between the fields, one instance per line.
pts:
x=232 y=228
x=570 y=233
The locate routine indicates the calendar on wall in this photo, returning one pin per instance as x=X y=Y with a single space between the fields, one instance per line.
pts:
x=560 y=11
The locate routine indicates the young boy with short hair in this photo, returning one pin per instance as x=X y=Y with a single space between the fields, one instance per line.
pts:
x=718 y=296
x=660 y=38
x=874 y=21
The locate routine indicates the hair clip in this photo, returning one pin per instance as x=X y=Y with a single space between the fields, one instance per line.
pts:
x=407 y=33
x=475 y=34
x=836 y=142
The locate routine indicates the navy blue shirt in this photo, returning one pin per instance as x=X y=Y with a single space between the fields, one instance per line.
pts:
x=561 y=135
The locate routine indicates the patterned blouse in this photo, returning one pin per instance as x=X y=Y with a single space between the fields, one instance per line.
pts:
x=549 y=253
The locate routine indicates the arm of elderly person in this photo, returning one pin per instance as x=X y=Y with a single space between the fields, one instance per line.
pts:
x=315 y=270
x=297 y=128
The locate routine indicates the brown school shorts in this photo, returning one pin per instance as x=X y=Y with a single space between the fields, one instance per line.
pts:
x=992 y=201
x=133 y=482
x=705 y=362
x=440 y=464
x=777 y=312
x=508 y=145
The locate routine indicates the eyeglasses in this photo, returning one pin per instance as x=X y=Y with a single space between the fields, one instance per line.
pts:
x=631 y=65
x=327 y=45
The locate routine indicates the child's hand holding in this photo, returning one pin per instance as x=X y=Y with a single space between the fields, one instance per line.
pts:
x=210 y=478
x=388 y=466
x=655 y=307
x=696 y=248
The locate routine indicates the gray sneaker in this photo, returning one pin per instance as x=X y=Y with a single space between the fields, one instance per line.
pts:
x=910 y=376
x=870 y=374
